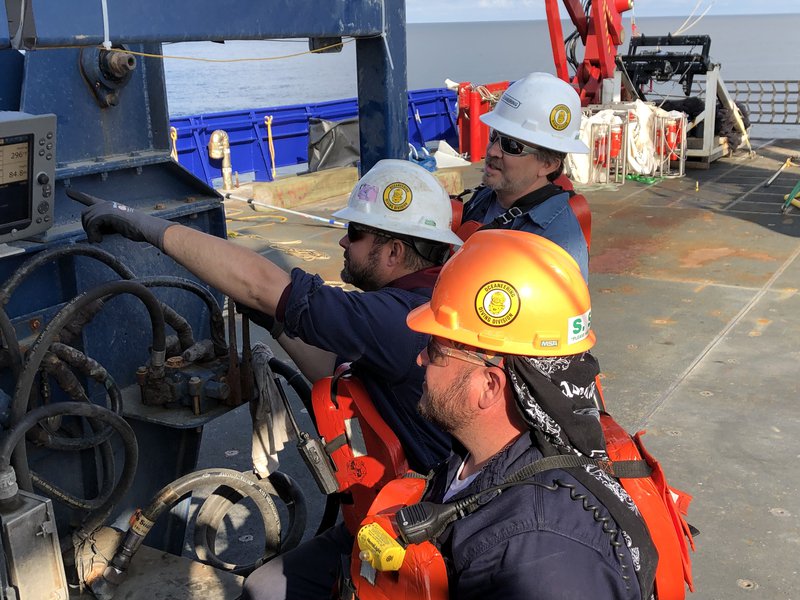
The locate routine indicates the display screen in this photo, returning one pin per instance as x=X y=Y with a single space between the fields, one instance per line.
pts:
x=15 y=184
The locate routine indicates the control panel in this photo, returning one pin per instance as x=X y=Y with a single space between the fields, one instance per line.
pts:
x=27 y=174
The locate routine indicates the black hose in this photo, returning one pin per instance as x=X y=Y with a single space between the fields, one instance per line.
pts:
x=108 y=476
x=175 y=320
x=142 y=523
x=217 y=319
x=48 y=335
x=214 y=509
x=41 y=258
x=79 y=409
x=94 y=370
x=295 y=379
x=10 y=339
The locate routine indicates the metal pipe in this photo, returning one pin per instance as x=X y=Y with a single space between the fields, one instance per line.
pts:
x=253 y=202
x=219 y=147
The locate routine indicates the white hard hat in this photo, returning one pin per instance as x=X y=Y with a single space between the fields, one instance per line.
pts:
x=542 y=110
x=401 y=197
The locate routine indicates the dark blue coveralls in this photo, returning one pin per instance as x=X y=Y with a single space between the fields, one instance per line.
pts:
x=532 y=541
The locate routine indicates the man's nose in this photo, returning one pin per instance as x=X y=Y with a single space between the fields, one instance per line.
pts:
x=344 y=242
x=494 y=148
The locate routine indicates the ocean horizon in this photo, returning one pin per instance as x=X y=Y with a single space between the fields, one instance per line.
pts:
x=747 y=47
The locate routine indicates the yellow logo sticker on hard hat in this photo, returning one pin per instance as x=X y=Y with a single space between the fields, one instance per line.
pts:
x=578 y=327
x=560 y=117
x=397 y=196
x=497 y=303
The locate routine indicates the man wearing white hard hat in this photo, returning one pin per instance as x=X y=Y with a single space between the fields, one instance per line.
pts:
x=535 y=124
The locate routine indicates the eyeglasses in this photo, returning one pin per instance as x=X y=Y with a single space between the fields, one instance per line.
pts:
x=511 y=146
x=356 y=232
x=437 y=354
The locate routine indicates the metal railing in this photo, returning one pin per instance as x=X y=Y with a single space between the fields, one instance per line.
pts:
x=768 y=102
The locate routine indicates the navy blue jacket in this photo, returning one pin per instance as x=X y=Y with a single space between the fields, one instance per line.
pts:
x=369 y=329
x=552 y=219
x=529 y=541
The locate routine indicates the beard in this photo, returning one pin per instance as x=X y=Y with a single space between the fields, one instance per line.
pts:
x=364 y=275
x=447 y=409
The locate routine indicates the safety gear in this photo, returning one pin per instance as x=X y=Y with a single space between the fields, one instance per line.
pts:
x=383 y=569
x=402 y=197
x=510 y=292
x=364 y=450
x=541 y=110
x=662 y=507
x=111 y=217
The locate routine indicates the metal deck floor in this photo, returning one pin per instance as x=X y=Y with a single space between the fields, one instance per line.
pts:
x=695 y=285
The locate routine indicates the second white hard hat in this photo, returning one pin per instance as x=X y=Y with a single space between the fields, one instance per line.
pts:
x=542 y=110
x=401 y=197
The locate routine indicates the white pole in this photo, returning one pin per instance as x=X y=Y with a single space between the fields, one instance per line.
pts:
x=254 y=202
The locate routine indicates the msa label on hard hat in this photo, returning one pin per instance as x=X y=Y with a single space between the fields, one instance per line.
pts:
x=578 y=327
x=510 y=100
x=497 y=303
x=397 y=196
x=560 y=117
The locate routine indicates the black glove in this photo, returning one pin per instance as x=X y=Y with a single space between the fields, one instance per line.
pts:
x=112 y=217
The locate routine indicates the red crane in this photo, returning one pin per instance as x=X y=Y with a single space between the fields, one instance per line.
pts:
x=598 y=24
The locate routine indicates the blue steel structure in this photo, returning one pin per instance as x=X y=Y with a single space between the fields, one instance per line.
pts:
x=113 y=142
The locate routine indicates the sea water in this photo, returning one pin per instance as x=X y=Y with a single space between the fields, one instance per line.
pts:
x=749 y=47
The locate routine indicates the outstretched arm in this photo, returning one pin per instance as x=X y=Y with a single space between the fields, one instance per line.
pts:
x=238 y=272
x=242 y=274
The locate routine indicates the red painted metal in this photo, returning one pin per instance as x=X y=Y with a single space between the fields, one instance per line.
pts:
x=473 y=135
x=600 y=31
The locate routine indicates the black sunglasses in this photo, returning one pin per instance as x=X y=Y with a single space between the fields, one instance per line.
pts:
x=356 y=232
x=509 y=145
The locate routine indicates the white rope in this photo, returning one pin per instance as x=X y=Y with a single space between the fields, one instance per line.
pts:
x=684 y=28
x=106 y=36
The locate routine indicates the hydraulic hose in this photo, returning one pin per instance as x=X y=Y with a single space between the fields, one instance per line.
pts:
x=16 y=435
x=48 y=335
x=217 y=319
x=94 y=370
x=175 y=320
x=142 y=522
x=10 y=339
x=214 y=509
x=296 y=380
x=46 y=256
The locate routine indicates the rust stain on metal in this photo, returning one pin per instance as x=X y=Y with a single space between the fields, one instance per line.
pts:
x=664 y=321
x=703 y=256
x=617 y=260
x=35 y=324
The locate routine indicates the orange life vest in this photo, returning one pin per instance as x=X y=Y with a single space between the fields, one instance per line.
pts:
x=381 y=567
x=366 y=454
x=662 y=508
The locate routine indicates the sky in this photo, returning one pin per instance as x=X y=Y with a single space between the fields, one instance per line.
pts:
x=431 y=11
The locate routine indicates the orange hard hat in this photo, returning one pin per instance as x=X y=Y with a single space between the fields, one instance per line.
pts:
x=510 y=292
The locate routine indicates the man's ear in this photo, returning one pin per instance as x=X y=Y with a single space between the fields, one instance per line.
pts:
x=549 y=167
x=396 y=254
x=493 y=385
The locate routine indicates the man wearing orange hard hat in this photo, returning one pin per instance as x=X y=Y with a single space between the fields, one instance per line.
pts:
x=508 y=374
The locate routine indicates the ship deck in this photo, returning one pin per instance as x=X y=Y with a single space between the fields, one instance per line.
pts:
x=694 y=284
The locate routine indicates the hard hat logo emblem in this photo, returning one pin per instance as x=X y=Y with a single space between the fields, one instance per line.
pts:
x=397 y=196
x=497 y=303
x=560 y=117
